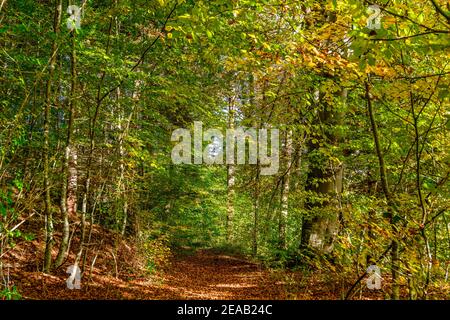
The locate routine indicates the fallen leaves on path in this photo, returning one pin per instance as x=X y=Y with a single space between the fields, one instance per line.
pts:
x=204 y=274
x=210 y=275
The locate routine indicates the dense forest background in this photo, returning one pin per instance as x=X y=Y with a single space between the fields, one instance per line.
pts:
x=87 y=113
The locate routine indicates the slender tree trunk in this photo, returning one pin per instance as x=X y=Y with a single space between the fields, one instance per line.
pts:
x=2 y=3
x=122 y=182
x=125 y=217
x=285 y=191
x=91 y=137
x=388 y=196
x=230 y=177
x=230 y=201
x=256 y=212
x=72 y=183
x=63 y=208
x=68 y=203
x=419 y=191
x=46 y=148
x=71 y=152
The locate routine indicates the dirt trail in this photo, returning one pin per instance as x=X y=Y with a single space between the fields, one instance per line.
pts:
x=203 y=274
x=211 y=275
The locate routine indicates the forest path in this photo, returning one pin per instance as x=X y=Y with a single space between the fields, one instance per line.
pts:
x=208 y=274
x=191 y=274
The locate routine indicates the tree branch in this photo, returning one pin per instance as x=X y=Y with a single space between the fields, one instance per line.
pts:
x=440 y=11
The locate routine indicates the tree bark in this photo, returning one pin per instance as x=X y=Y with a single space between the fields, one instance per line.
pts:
x=72 y=183
x=388 y=196
x=256 y=213
x=230 y=178
x=68 y=203
x=324 y=182
x=285 y=191
x=46 y=148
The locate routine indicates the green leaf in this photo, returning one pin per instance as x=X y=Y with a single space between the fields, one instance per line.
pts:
x=3 y=210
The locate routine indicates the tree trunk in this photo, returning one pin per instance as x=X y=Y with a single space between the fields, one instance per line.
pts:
x=388 y=196
x=122 y=182
x=71 y=152
x=68 y=204
x=230 y=177
x=255 y=213
x=46 y=148
x=325 y=184
x=285 y=191
x=72 y=183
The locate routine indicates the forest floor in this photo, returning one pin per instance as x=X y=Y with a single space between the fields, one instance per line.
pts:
x=203 y=274
x=115 y=270
x=190 y=274
x=112 y=271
